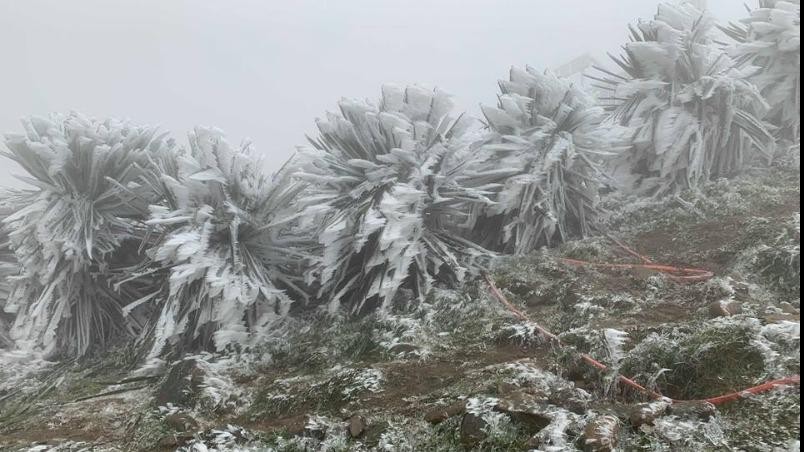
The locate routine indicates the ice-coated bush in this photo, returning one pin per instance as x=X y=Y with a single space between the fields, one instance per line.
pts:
x=552 y=133
x=697 y=115
x=80 y=221
x=390 y=184
x=769 y=42
x=225 y=251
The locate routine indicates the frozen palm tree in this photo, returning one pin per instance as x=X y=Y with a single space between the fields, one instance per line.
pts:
x=8 y=269
x=696 y=115
x=75 y=226
x=388 y=185
x=552 y=131
x=770 y=41
x=223 y=251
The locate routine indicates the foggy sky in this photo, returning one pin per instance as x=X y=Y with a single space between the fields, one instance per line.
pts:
x=265 y=70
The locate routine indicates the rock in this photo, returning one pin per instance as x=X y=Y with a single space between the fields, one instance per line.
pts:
x=573 y=399
x=517 y=401
x=646 y=413
x=440 y=414
x=472 y=430
x=507 y=388
x=524 y=409
x=602 y=434
x=403 y=349
x=181 y=384
x=373 y=434
x=533 y=443
x=167 y=442
x=314 y=430
x=174 y=441
x=357 y=426
x=724 y=308
x=700 y=409
x=788 y=308
x=181 y=422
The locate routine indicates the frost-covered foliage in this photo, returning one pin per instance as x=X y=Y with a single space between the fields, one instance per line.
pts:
x=8 y=269
x=390 y=186
x=551 y=132
x=770 y=41
x=780 y=262
x=125 y=236
x=696 y=114
x=78 y=225
x=225 y=242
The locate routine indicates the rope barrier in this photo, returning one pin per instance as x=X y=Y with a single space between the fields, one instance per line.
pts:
x=679 y=274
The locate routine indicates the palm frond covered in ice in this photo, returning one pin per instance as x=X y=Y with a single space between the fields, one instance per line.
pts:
x=770 y=41
x=224 y=251
x=80 y=221
x=553 y=133
x=8 y=269
x=389 y=184
x=697 y=115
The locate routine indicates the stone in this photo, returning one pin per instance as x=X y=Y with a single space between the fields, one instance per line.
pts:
x=533 y=443
x=472 y=430
x=724 y=308
x=403 y=349
x=181 y=384
x=788 y=308
x=524 y=409
x=357 y=426
x=602 y=434
x=167 y=442
x=700 y=409
x=573 y=399
x=174 y=441
x=181 y=422
x=440 y=414
x=647 y=413
x=315 y=430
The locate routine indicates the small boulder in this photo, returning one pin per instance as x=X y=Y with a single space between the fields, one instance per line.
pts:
x=181 y=384
x=524 y=409
x=357 y=426
x=788 y=308
x=700 y=409
x=574 y=399
x=403 y=349
x=181 y=422
x=173 y=441
x=440 y=414
x=724 y=308
x=602 y=434
x=646 y=413
x=472 y=430
x=314 y=430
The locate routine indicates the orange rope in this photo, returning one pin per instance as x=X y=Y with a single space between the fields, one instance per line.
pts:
x=678 y=274
x=588 y=359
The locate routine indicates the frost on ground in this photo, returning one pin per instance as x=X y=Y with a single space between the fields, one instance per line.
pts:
x=457 y=371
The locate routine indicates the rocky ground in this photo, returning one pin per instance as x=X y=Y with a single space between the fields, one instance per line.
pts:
x=460 y=372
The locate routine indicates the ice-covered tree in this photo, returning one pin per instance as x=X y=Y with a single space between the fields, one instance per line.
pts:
x=82 y=219
x=8 y=269
x=552 y=132
x=769 y=40
x=226 y=253
x=390 y=183
x=697 y=115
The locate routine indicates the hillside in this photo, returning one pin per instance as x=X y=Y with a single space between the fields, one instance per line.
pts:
x=461 y=372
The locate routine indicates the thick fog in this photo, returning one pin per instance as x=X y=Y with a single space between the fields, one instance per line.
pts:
x=265 y=69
